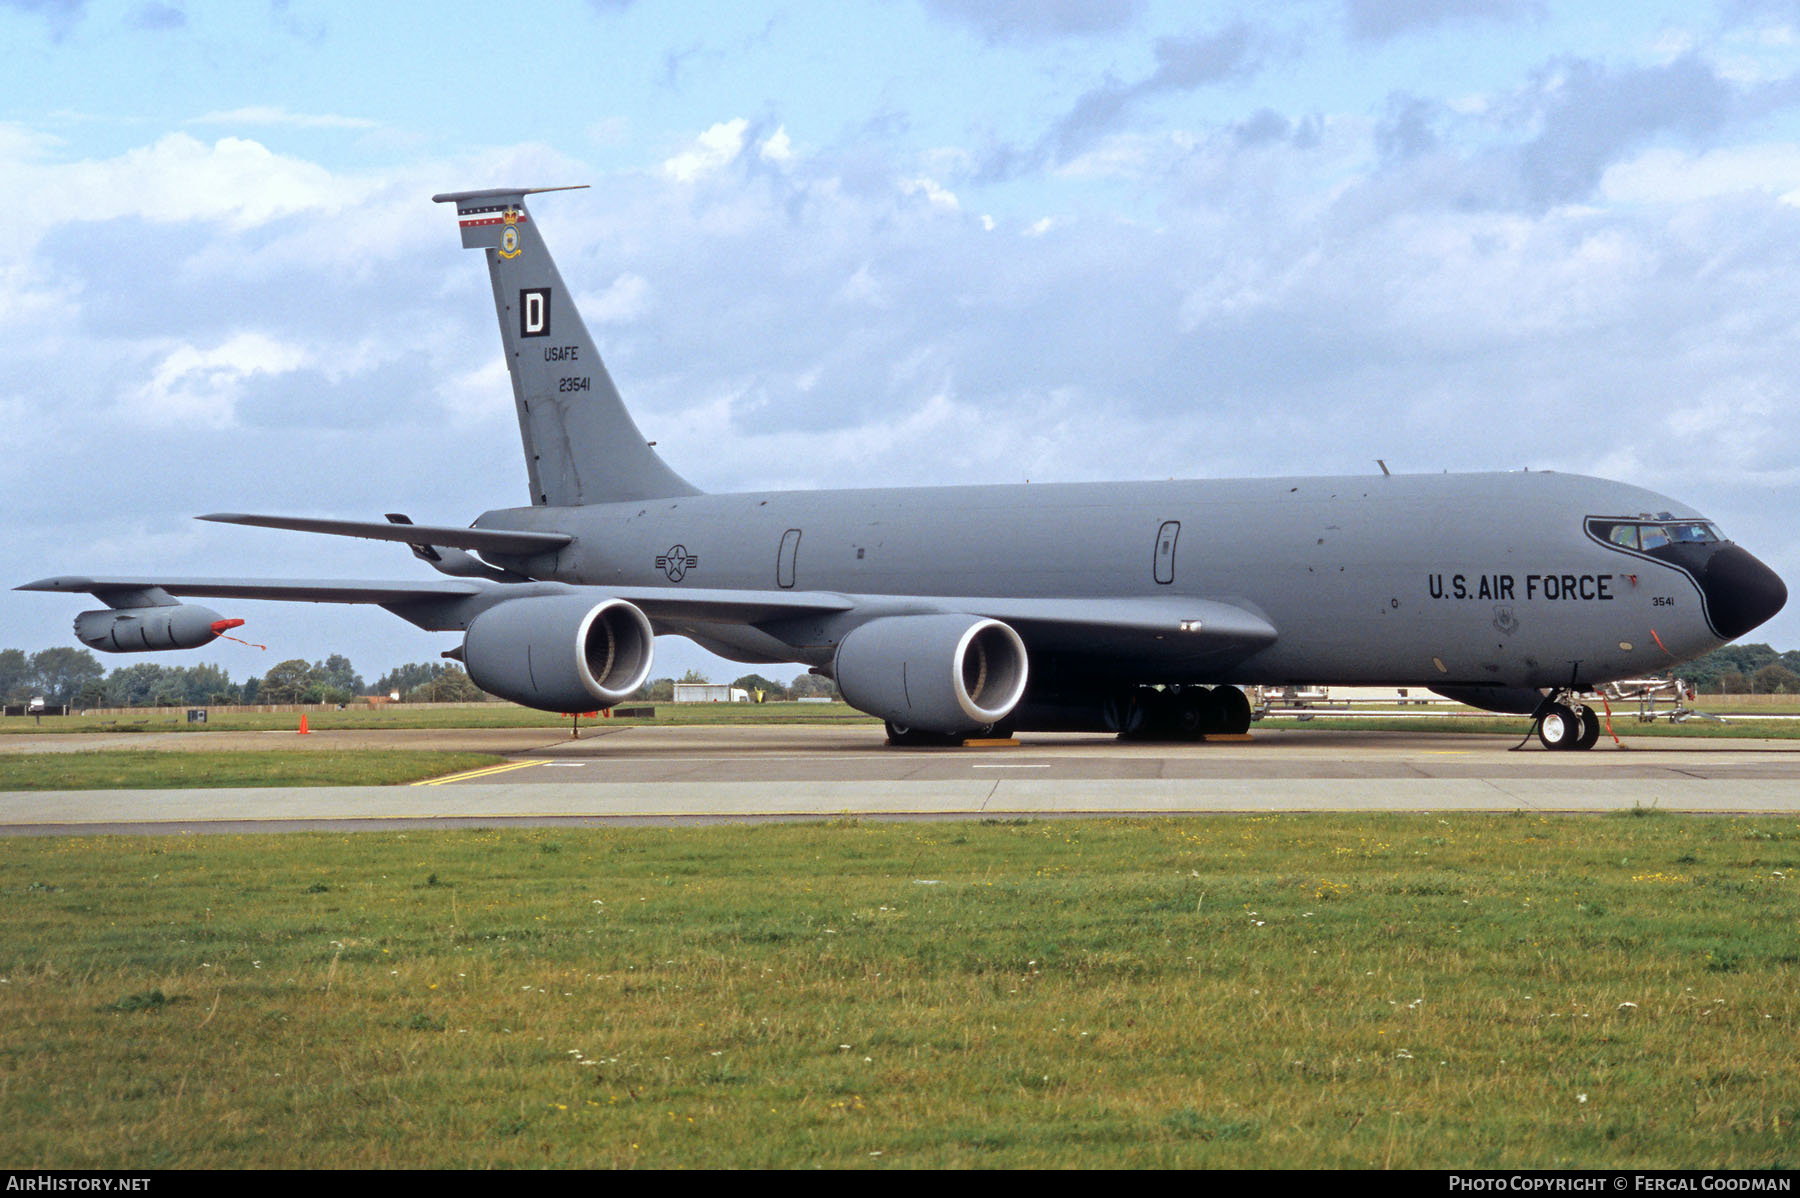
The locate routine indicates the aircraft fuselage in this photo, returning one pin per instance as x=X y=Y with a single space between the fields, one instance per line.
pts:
x=1432 y=580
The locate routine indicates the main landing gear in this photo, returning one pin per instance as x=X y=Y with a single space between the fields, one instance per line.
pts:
x=906 y=736
x=1183 y=713
x=1564 y=724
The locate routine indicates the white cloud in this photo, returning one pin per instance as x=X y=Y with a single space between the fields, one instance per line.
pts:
x=269 y=115
x=624 y=301
x=475 y=396
x=712 y=151
x=1670 y=176
x=178 y=178
x=864 y=288
x=869 y=453
x=21 y=144
x=195 y=388
x=934 y=192
x=28 y=302
x=609 y=131
x=1671 y=42
x=777 y=147
x=1125 y=156
x=1757 y=53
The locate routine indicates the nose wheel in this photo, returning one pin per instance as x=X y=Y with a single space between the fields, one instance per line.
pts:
x=1567 y=725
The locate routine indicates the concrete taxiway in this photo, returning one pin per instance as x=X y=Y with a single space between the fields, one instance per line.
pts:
x=711 y=773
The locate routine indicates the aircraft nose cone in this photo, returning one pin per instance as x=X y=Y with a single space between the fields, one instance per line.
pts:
x=1741 y=592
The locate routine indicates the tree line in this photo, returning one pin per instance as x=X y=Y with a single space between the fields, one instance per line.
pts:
x=76 y=677
x=1744 y=670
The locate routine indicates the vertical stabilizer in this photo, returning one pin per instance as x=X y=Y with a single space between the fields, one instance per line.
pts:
x=581 y=445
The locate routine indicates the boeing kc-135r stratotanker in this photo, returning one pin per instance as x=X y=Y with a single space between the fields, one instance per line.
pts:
x=1135 y=607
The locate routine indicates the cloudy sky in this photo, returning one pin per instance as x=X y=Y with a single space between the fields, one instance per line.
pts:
x=879 y=243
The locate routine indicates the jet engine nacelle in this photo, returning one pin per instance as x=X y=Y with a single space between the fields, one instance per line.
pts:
x=563 y=653
x=938 y=673
x=142 y=629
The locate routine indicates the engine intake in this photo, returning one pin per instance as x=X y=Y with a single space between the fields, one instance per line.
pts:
x=562 y=653
x=937 y=673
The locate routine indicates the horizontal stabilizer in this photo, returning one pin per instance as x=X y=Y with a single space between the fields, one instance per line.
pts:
x=482 y=540
x=499 y=193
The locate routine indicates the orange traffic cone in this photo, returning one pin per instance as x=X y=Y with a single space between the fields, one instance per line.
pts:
x=303 y=728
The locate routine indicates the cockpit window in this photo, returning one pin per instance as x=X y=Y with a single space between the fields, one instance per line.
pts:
x=1647 y=535
x=1700 y=534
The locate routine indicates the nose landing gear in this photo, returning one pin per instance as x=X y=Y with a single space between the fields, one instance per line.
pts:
x=1563 y=723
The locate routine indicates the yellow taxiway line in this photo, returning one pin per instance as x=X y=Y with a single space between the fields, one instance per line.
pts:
x=467 y=774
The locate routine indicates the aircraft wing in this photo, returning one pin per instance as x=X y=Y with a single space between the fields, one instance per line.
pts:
x=292 y=589
x=485 y=540
x=1074 y=622
x=449 y=603
x=1206 y=620
x=1158 y=626
x=1162 y=625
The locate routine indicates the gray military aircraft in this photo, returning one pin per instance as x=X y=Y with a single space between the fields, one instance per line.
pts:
x=1134 y=607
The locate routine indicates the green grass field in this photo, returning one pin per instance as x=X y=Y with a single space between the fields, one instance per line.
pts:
x=482 y=715
x=134 y=769
x=1296 y=991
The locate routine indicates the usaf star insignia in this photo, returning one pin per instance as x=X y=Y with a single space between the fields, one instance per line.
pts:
x=676 y=563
